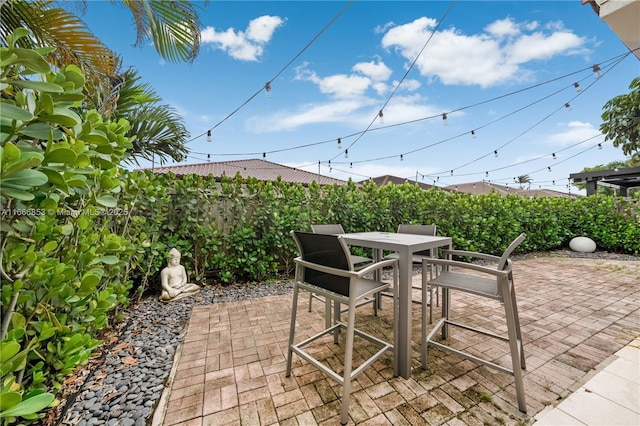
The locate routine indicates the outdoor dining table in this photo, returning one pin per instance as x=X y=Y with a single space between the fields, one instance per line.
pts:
x=405 y=245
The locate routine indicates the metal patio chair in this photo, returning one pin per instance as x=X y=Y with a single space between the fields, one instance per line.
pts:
x=358 y=261
x=493 y=282
x=417 y=260
x=325 y=267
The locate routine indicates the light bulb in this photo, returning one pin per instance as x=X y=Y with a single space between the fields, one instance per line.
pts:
x=597 y=71
x=486 y=174
x=451 y=172
x=381 y=116
x=495 y=153
x=339 y=143
x=445 y=120
x=577 y=86
x=568 y=106
x=554 y=156
x=264 y=155
x=208 y=135
x=473 y=134
x=351 y=165
x=599 y=146
x=346 y=153
x=208 y=157
x=401 y=157
x=549 y=169
x=267 y=88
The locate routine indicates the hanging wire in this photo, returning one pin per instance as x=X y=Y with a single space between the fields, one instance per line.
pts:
x=267 y=86
x=380 y=114
x=496 y=98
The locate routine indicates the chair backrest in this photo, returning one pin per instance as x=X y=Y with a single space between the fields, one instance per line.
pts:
x=329 y=228
x=326 y=250
x=417 y=229
x=505 y=256
x=429 y=230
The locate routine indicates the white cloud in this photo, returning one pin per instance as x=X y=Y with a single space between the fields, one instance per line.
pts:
x=495 y=56
x=244 y=45
x=377 y=71
x=333 y=112
x=338 y=85
x=503 y=28
x=575 y=131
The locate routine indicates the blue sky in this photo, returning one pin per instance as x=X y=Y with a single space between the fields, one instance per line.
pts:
x=503 y=72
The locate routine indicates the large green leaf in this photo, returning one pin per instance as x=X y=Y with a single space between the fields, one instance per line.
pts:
x=41 y=131
x=38 y=85
x=29 y=406
x=60 y=155
x=15 y=113
x=24 y=179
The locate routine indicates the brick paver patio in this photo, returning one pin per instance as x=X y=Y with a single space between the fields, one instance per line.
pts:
x=574 y=314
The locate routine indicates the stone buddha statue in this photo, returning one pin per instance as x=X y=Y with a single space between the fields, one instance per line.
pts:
x=173 y=279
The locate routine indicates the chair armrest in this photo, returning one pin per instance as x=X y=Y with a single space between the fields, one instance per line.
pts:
x=344 y=272
x=472 y=266
x=377 y=265
x=471 y=254
x=326 y=269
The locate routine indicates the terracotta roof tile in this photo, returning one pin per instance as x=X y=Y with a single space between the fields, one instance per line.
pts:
x=256 y=168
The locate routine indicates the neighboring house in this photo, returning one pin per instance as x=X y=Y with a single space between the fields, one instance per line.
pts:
x=485 y=187
x=623 y=17
x=383 y=180
x=255 y=168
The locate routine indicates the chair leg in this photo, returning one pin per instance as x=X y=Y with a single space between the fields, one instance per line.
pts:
x=292 y=328
x=423 y=320
x=517 y=319
x=514 y=344
x=348 y=364
x=310 y=300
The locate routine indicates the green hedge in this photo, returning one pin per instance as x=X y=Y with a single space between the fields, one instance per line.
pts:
x=238 y=231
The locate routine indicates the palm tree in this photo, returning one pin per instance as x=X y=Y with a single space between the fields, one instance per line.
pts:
x=74 y=43
x=158 y=129
x=523 y=179
x=173 y=26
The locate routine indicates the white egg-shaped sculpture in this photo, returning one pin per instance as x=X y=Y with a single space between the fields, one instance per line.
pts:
x=582 y=245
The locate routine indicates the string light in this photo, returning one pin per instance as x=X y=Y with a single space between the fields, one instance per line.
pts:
x=568 y=106
x=339 y=143
x=451 y=172
x=486 y=174
x=208 y=135
x=553 y=182
x=495 y=153
x=549 y=169
x=346 y=153
x=473 y=134
x=351 y=165
x=554 y=156
x=577 y=86
x=264 y=155
x=267 y=87
x=596 y=70
x=445 y=121
x=381 y=116
x=209 y=157
x=401 y=157
x=599 y=146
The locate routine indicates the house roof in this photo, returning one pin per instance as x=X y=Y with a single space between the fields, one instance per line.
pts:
x=383 y=180
x=256 y=168
x=485 y=187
